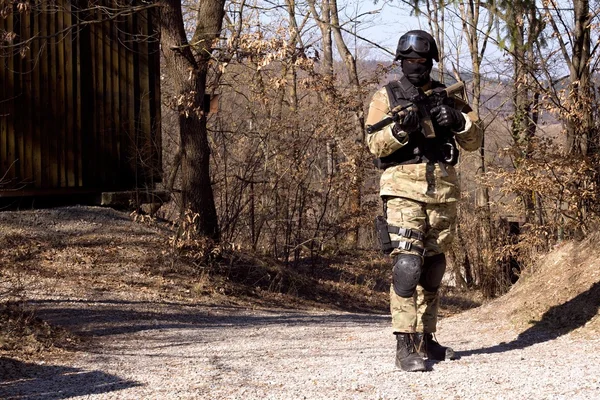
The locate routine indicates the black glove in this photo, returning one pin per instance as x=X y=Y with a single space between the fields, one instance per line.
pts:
x=409 y=124
x=406 y=125
x=449 y=117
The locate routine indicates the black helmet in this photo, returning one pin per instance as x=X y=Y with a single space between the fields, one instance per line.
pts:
x=417 y=44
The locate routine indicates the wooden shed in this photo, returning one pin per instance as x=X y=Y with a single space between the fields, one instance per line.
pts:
x=79 y=98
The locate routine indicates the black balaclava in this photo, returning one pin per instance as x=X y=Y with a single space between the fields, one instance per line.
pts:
x=417 y=73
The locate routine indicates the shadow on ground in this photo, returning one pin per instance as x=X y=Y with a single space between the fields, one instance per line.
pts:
x=557 y=321
x=114 y=317
x=29 y=381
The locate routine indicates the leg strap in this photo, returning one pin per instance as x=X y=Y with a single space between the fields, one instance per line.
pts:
x=409 y=246
x=406 y=232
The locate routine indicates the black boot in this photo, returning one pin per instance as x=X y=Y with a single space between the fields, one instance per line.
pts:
x=407 y=357
x=433 y=350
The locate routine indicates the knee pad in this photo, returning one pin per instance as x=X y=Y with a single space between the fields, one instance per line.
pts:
x=406 y=273
x=433 y=272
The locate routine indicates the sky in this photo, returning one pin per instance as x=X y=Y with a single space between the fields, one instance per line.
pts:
x=384 y=24
x=385 y=21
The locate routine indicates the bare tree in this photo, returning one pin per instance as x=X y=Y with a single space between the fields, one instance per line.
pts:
x=574 y=39
x=358 y=114
x=187 y=65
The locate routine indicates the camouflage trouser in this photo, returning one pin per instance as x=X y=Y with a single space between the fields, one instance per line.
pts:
x=436 y=221
x=414 y=314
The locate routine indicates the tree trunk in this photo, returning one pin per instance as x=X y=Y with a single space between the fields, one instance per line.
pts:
x=436 y=18
x=580 y=124
x=355 y=187
x=477 y=44
x=523 y=124
x=188 y=76
x=324 y=23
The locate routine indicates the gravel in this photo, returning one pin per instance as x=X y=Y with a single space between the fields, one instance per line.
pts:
x=145 y=347
x=173 y=351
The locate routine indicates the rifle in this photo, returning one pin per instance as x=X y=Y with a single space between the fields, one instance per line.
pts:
x=422 y=104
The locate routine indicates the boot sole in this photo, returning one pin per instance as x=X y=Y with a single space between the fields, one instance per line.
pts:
x=448 y=355
x=414 y=368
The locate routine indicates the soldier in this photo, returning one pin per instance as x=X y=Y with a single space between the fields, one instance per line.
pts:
x=419 y=189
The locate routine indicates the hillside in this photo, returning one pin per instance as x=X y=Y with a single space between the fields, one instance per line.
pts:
x=560 y=295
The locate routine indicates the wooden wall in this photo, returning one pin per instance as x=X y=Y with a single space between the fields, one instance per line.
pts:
x=80 y=104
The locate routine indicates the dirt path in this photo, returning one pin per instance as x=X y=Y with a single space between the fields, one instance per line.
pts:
x=147 y=350
x=96 y=273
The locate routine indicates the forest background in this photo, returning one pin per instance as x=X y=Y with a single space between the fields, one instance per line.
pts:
x=264 y=105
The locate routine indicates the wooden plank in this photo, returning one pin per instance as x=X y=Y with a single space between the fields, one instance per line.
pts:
x=69 y=77
x=13 y=82
x=77 y=90
x=156 y=101
x=109 y=131
x=54 y=130
x=27 y=72
x=91 y=145
x=61 y=116
x=36 y=154
x=45 y=110
x=116 y=120
x=57 y=112
x=116 y=97
x=144 y=113
x=158 y=94
x=122 y=114
x=23 y=102
x=6 y=94
x=100 y=89
x=51 y=192
x=89 y=98
x=131 y=126
x=139 y=138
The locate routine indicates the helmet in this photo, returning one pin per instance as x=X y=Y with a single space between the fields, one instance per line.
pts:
x=417 y=44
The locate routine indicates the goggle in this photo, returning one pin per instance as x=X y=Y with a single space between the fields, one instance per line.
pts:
x=415 y=43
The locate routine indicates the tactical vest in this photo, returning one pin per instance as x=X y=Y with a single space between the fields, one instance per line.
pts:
x=419 y=149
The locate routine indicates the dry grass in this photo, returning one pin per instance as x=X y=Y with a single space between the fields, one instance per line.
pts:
x=28 y=337
x=120 y=259
x=94 y=253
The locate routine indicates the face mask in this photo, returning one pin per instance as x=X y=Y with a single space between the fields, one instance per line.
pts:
x=417 y=73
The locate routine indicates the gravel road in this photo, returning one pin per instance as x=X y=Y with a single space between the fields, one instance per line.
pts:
x=143 y=347
x=145 y=350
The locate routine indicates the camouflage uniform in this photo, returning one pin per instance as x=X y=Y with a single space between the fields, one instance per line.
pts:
x=421 y=197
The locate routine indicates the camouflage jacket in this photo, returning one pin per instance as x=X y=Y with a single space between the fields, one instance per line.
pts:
x=428 y=183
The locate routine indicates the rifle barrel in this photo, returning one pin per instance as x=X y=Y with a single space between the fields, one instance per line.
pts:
x=379 y=125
